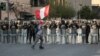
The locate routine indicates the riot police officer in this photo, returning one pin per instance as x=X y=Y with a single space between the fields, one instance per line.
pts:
x=5 y=27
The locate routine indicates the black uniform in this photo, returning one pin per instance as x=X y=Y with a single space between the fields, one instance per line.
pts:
x=5 y=32
x=32 y=31
x=53 y=27
x=74 y=33
x=13 y=34
x=87 y=32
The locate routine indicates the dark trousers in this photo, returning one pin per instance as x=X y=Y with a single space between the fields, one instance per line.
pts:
x=38 y=37
x=0 y=39
x=14 y=38
x=32 y=36
x=87 y=35
x=6 y=39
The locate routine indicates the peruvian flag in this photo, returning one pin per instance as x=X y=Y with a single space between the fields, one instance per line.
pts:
x=43 y=12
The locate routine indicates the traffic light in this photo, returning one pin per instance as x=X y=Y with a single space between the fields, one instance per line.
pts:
x=3 y=6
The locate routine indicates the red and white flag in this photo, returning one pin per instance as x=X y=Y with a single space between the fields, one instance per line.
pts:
x=43 y=12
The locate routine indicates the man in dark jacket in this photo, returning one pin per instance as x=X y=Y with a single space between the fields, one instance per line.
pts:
x=32 y=30
x=87 y=31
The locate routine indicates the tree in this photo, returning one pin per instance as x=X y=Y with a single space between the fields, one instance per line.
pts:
x=53 y=9
x=94 y=15
x=58 y=10
x=67 y=12
x=85 y=12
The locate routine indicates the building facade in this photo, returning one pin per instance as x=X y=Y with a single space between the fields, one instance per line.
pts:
x=23 y=5
x=77 y=4
x=95 y=2
x=32 y=5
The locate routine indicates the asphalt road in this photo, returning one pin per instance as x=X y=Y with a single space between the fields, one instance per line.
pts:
x=50 y=50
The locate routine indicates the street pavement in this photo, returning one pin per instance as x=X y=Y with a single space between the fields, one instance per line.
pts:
x=50 y=50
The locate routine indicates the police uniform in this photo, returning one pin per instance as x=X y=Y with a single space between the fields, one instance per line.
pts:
x=5 y=33
x=13 y=33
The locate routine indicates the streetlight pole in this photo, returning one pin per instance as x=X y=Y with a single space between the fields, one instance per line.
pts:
x=7 y=9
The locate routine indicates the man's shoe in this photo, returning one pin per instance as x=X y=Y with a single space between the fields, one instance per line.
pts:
x=41 y=47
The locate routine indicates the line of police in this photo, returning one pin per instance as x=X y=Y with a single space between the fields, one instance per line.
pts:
x=64 y=31
x=16 y=32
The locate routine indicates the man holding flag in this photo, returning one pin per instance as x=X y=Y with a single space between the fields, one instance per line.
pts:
x=40 y=14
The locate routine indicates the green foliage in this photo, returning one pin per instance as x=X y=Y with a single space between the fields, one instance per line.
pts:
x=67 y=12
x=94 y=15
x=52 y=9
x=60 y=10
x=85 y=12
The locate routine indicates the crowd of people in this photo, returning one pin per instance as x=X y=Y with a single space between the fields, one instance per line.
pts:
x=54 y=31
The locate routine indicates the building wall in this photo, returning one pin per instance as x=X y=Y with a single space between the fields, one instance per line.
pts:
x=22 y=5
x=77 y=4
x=96 y=2
x=21 y=1
x=25 y=5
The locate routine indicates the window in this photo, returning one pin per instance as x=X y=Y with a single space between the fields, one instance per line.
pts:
x=35 y=3
x=42 y=2
x=3 y=6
